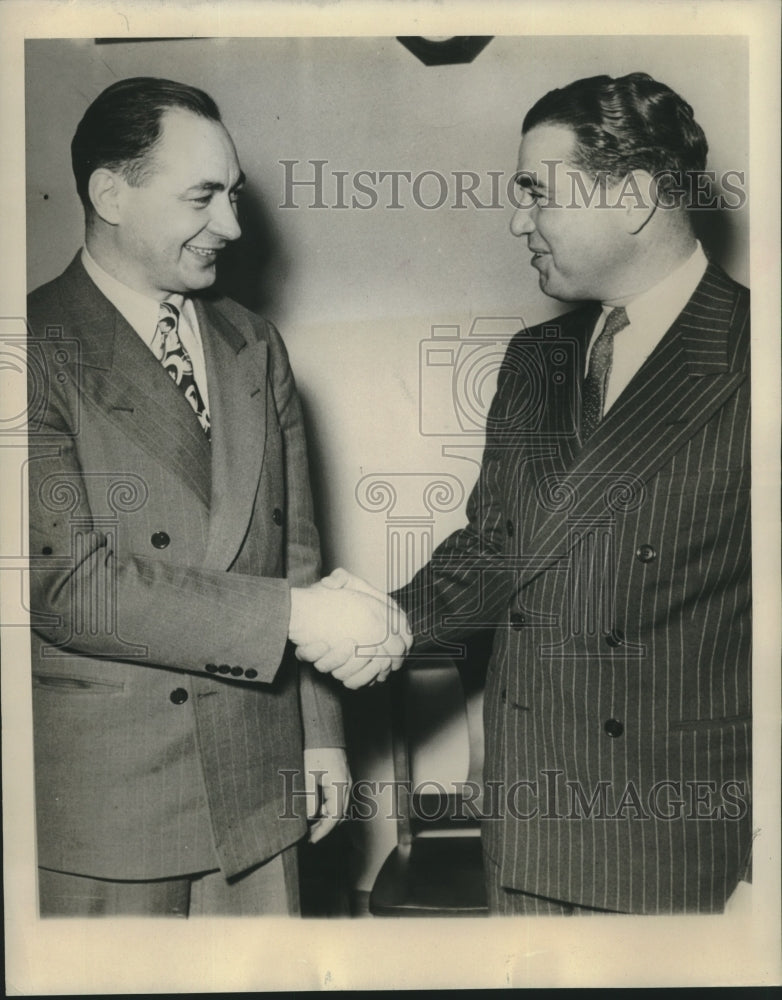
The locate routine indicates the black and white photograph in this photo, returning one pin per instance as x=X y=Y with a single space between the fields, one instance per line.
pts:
x=391 y=531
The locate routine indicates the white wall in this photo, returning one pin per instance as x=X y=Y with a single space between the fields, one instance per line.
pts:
x=354 y=291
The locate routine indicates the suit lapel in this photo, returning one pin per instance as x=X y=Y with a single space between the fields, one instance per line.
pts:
x=575 y=332
x=552 y=445
x=237 y=403
x=121 y=376
x=679 y=387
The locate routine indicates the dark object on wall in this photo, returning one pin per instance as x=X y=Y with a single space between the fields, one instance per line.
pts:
x=449 y=51
x=124 y=41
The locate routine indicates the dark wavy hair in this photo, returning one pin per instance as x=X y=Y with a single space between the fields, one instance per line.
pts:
x=624 y=124
x=121 y=127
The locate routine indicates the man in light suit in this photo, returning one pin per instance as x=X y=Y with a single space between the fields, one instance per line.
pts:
x=608 y=536
x=173 y=554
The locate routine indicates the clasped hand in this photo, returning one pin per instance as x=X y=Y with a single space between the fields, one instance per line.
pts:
x=346 y=627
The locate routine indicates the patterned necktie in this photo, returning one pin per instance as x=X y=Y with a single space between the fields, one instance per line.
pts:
x=594 y=390
x=177 y=363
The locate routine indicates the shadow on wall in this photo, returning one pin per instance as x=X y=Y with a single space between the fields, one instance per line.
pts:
x=717 y=232
x=254 y=268
x=253 y=271
x=319 y=479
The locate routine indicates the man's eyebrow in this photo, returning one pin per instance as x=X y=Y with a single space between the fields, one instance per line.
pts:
x=217 y=185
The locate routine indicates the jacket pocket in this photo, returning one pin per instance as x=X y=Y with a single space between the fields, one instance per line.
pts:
x=711 y=482
x=718 y=723
x=71 y=684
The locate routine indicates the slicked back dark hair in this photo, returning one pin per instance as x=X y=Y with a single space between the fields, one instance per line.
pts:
x=121 y=127
x=623 y=124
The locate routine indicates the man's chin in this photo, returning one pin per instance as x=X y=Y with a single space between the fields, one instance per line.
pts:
x=556 y=290
x=545 y=285
x=204 y=277
x=544 y=278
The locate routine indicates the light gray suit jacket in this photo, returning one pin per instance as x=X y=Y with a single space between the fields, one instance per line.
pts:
x=168 y=708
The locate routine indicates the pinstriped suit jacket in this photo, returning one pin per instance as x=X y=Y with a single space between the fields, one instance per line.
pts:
x=617 y=577
x=165 y=699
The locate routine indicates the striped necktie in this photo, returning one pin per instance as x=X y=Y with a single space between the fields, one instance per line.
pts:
x=594 y=389
x=175 y=359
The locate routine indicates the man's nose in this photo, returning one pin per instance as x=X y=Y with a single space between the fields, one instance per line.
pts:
x=223 y=221
x=521 y=222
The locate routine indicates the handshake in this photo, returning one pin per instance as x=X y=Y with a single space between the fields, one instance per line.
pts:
x=345 y=627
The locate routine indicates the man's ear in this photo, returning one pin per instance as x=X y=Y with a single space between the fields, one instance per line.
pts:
x=636 y=199
x=105 y=191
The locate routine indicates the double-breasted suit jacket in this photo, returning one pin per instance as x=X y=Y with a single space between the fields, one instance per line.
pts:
x=617 y=576
x=167 y=706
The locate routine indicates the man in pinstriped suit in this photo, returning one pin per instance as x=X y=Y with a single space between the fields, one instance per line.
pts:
x=608 y=536
x=172 y=569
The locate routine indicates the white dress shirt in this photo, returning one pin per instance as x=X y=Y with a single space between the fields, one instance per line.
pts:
x=142 y=314
x=650 y=314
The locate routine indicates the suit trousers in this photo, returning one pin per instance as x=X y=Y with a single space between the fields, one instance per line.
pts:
x=270 y=889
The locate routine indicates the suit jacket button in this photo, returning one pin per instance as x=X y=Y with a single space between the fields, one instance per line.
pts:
x=237 y=671
x=615 y=637
x=211 y=668
x=160 y=540
x=178 y=696
x=277 y=516
x=517 y=620
x=646 y=553
x=509 y=528
x=614 y=728
x=252 y=672
x=224 y=668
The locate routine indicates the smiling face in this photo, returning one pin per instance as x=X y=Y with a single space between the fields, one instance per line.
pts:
x=168 y=230
x=578 y=238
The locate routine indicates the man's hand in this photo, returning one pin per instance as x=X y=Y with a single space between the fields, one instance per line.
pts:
x=348 y=628
x=326 y=768
x=340 y=578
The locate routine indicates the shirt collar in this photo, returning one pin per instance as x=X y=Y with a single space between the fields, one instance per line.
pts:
x=139 y=310
x=659 y=305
